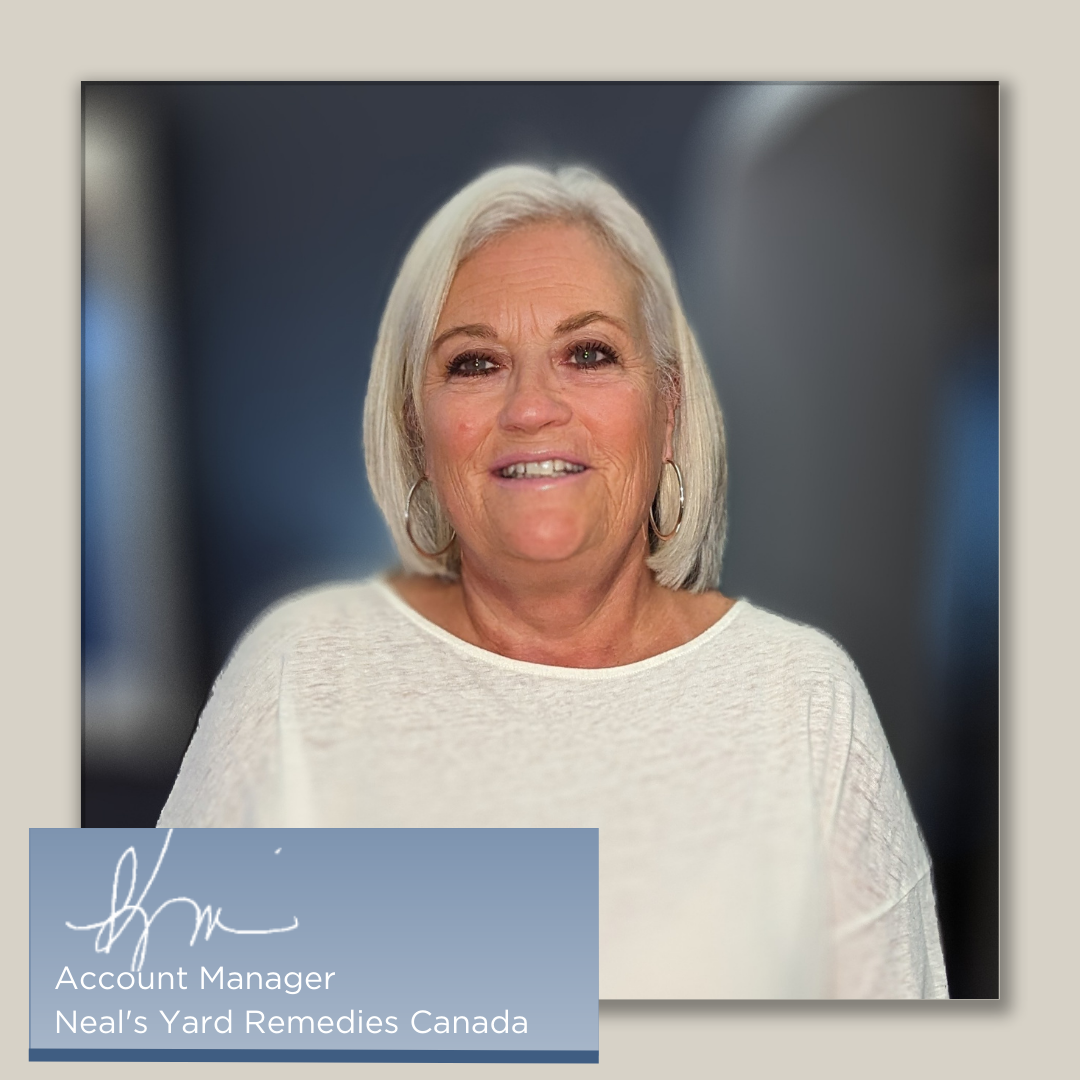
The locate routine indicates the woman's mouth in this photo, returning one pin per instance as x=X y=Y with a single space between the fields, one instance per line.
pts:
x=531 y=470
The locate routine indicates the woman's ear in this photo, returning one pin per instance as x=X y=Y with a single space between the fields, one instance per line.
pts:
x=671 y=395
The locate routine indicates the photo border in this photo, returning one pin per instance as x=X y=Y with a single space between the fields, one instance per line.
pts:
x=49 y=50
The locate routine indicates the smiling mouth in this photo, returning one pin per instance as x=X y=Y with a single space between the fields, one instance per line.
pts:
x=528 y=470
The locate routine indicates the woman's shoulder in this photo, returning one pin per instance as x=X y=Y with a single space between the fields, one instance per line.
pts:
x=786 y=644
x=235 y=738
x=317 y=612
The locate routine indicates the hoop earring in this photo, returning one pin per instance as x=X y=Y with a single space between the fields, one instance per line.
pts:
x=664 y=537
x=408 y=526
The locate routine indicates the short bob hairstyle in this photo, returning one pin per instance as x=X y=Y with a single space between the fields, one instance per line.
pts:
x=496 y=203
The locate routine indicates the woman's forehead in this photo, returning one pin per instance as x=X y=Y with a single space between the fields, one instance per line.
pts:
x=539 y=275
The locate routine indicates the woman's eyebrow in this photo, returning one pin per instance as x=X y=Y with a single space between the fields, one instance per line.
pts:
x=576 y=322
x=480 y=330
x=567 y=326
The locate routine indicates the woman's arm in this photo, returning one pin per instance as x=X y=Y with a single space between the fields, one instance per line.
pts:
x=231 y=775
x=885 y=937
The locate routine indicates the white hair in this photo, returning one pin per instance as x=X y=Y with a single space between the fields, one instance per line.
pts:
x=494 y=204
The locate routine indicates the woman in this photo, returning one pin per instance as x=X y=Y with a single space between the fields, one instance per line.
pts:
x=543 y=438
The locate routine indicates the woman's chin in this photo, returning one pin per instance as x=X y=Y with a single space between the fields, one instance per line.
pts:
x=546 y=539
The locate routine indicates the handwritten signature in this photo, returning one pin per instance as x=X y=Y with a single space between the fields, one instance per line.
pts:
x=111 y=927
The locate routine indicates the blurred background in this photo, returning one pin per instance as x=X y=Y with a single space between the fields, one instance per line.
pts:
x=837 y=250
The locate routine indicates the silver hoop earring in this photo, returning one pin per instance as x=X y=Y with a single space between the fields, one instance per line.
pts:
x=408 y=526
x=682 y=505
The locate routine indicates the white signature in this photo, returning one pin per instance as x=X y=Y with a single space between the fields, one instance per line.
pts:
x=110 y=928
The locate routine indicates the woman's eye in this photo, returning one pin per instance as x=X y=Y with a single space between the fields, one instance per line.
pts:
x=471 y=364
x=592 y=354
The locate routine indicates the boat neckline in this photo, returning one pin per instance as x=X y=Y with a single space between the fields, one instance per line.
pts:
x=508 y=663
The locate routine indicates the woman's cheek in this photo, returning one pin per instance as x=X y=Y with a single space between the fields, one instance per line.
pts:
x=448 y=432
x=454 y=456
x=469 y=432
x=627 y=431
x=464 y=416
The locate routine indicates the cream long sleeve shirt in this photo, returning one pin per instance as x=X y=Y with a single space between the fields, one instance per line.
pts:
x=755 y=837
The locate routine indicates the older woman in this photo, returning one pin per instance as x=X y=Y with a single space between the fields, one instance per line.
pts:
x=544 y=440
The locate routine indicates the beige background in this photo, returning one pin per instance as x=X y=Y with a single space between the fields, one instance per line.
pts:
x=48 y=47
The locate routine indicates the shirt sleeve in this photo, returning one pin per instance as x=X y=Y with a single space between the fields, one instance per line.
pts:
x=885 y=938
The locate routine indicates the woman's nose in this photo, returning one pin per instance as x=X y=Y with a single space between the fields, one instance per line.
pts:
x=534 y=399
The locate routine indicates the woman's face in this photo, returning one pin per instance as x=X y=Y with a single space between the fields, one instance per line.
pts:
x=544 y=428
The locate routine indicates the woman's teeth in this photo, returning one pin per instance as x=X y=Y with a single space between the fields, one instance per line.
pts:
x=552 y=467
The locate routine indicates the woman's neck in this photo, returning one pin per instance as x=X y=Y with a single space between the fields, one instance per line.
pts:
x=544 y=615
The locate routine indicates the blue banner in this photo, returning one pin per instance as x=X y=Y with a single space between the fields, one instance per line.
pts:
x=441 y=945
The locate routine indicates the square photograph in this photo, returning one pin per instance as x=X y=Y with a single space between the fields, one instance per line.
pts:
x=563 y=455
